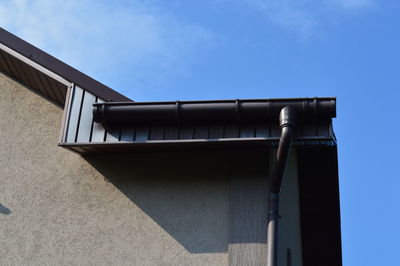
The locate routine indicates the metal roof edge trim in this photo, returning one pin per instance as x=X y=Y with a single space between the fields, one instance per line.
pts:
x=122 y=148
x=58 y=67
x=34 y=65
x=296 y=141
x=228 y=101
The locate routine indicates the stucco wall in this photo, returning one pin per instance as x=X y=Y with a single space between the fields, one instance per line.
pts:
x=58 y=208
x=62 y=211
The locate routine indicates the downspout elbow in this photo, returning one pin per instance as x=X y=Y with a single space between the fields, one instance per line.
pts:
x=287 y=123
x=282 y=153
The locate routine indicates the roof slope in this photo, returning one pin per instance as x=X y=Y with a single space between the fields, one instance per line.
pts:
x=44 y=73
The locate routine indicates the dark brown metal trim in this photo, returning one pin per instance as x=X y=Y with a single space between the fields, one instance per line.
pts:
x=319 y=206
x=217 y=144
x=192 y=112
x=53 y=64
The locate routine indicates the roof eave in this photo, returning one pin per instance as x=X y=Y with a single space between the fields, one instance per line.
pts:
x=26 y=52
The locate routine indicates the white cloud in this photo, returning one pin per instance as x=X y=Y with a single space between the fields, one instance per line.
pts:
x=101 y=37
x=305 y=16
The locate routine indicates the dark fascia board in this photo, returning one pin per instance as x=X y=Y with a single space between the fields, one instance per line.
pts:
x=319 y=205
x=88 y=148
x=60 y=68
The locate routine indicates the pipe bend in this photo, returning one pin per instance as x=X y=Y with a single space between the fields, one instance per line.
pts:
x=287 y=133
x=287 y=123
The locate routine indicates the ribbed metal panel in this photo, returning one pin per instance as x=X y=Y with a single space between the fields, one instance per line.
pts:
x=80 y=125
x=143 y=133
x=86 y=136
x=86 y=118
x=98 y=131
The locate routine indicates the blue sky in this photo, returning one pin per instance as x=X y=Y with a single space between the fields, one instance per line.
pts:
x=219 y=49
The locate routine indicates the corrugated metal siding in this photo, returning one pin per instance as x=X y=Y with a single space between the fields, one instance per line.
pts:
x=80 y=118
x=33 y=78
x=83 y=135
x=148 y=133
x=98 y=131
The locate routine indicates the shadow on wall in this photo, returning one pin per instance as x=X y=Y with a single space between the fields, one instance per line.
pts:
x=186 y=193
x=4 y=210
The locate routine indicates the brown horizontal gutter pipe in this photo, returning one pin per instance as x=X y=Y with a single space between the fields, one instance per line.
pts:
x=125 y=113
x=287 y=123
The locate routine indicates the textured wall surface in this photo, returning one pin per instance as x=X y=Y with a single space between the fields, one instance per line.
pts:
x=57 y=208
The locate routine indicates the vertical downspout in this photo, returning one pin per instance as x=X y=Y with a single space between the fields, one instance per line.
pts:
x=286 y=121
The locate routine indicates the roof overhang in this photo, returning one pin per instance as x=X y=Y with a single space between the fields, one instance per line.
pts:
x=191 y=125
x=138 y=126
x=44 y=73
